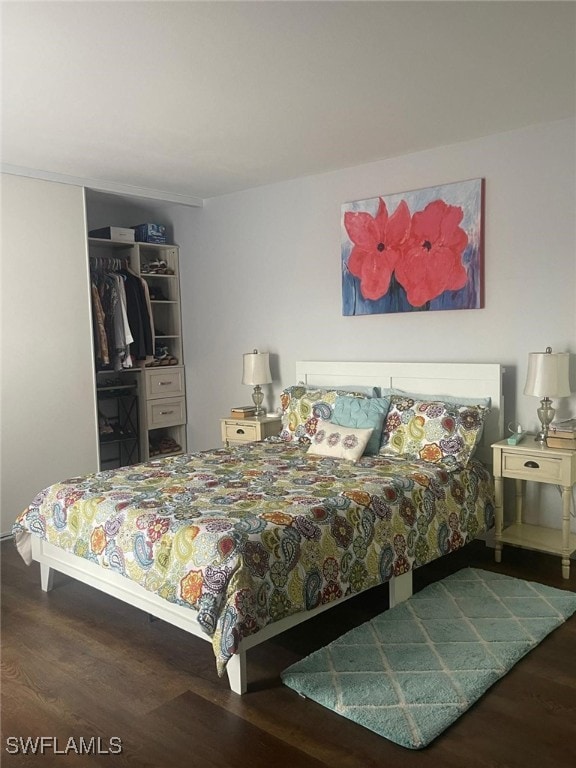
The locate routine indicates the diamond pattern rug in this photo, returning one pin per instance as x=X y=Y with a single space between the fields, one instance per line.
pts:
x=412 y=671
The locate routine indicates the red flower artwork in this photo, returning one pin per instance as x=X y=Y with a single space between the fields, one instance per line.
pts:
x=431 y=260
x=412 y=251
x=377 y=243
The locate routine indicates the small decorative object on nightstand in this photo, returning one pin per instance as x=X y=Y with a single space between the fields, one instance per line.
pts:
x=248 y=430
x=530 y=461
x=547 y=377
x=257 y=372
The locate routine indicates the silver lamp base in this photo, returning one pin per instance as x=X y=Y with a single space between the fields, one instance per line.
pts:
x=546 y=415
x=258 y=397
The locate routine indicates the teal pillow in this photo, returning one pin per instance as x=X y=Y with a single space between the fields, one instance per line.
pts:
x=362 y=414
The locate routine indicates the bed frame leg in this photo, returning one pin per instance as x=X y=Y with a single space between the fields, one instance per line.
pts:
x=237 y=675
x=46 y=577
x=400 y=588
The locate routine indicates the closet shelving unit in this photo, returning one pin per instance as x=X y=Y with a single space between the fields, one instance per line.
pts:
x=159 y=385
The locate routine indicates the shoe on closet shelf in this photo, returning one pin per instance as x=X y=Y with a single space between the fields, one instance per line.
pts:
x=169 y=445
x=104 y=426
x=167 y=359
x=165 y=269
x=159 y=268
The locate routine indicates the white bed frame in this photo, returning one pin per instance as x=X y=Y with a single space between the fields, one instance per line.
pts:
x=462 y=379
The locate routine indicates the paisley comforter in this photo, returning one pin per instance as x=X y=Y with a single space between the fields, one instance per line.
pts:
x=251 y=534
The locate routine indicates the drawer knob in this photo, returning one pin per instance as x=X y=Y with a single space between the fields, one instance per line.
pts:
x=165 y=383
x=239 y=431
x=532 y=464
x=166 y=413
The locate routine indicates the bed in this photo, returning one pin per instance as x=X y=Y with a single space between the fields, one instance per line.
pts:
x=236 y=545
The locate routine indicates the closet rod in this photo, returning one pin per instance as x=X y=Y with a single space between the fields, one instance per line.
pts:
x=105 y=256
x=104 y=261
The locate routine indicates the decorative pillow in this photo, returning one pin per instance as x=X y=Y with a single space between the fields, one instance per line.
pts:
x=432 y=430
x=364 y=414
x=339 y=442
x=485 y=402
x=302 y=408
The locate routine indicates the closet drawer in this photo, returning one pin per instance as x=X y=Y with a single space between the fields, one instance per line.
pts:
x=164 y=381
x=166 y=412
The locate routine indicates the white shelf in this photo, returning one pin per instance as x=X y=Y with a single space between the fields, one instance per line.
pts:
x=156 y=274
x=101 y=241
x=536 y=537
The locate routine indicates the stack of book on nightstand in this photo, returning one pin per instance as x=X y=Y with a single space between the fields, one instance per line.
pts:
x=243 y=412
x=562 y=434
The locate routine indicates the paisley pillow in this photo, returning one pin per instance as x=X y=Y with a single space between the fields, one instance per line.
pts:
x=339 y=442
x=302 y=408
x=485 y=402
x=432 y=430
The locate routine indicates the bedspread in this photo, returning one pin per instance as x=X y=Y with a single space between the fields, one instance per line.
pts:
x=250 y=534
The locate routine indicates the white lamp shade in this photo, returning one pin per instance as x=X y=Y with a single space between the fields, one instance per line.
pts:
x=548 y=374
x=256 y=368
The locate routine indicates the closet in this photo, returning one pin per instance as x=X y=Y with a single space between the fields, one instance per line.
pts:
x=138 y=351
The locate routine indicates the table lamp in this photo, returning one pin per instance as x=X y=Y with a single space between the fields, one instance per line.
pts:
x=547 y=377
x=257 y=372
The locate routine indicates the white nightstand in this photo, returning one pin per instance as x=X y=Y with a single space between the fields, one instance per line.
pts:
x=531 y=461
x=249 y=430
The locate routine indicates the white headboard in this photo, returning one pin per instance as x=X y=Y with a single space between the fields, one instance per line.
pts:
x=460 y=379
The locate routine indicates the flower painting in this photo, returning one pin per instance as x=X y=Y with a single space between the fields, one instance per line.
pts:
x=413 y=251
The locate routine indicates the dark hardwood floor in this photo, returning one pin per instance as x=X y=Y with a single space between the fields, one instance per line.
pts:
x=76 y=663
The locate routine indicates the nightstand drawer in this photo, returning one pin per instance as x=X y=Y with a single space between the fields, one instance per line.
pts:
x=544 y=469
x=243 y=433
x=164 y=382
x=166 y=412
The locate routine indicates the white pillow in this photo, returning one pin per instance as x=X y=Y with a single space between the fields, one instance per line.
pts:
x=339 y=442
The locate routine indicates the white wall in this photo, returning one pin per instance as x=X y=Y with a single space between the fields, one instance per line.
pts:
x=48 y=403
x=262 y=269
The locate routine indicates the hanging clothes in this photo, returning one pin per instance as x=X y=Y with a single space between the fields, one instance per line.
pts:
x=122 y=333
x=99 y=329
x=121 y=314
x=138 y=316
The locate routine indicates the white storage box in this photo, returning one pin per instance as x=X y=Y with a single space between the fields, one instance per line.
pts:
x=123 y=234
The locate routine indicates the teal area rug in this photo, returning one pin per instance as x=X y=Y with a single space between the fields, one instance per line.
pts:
x=412 y=671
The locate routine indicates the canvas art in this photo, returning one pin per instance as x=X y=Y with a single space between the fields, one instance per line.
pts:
x=413 y=251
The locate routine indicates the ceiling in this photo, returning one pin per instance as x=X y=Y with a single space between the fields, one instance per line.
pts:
x=199 y=99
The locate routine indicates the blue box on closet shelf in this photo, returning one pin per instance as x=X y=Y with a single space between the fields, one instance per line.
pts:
x=150 y=233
